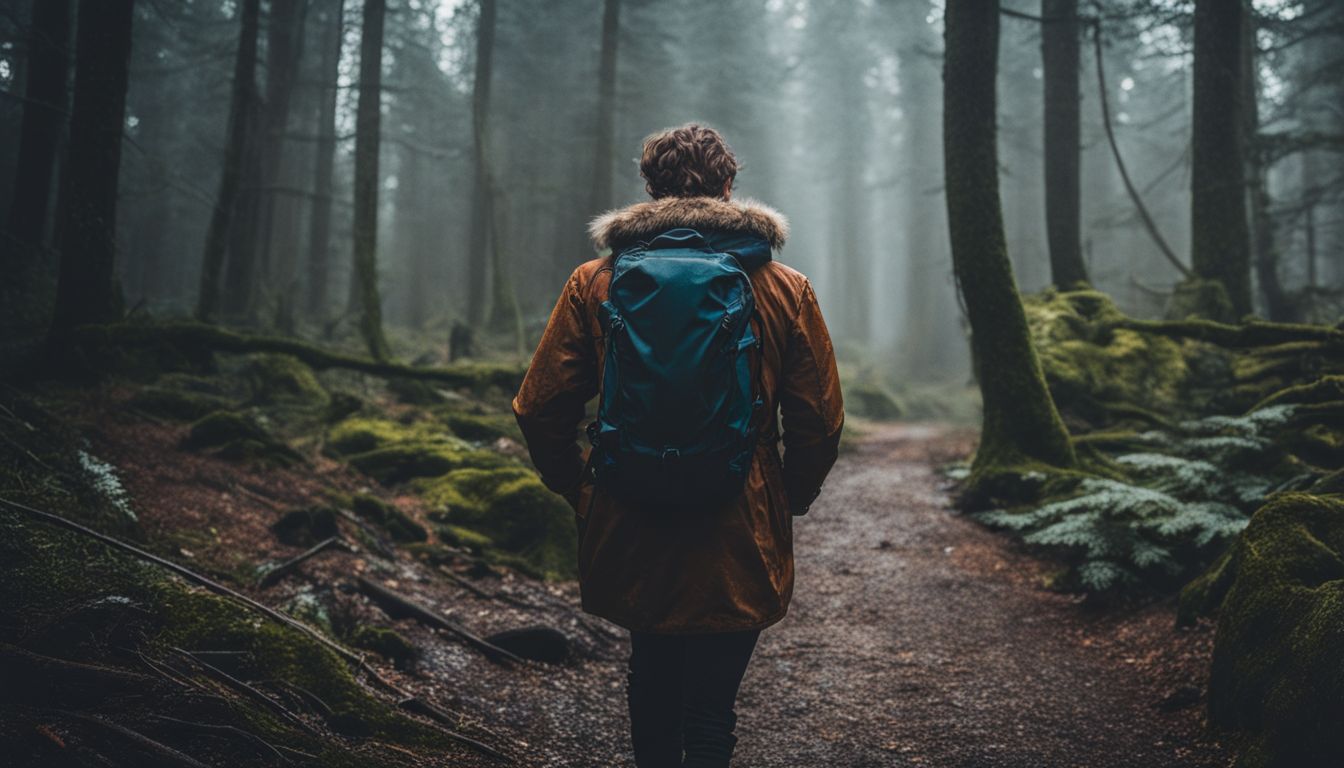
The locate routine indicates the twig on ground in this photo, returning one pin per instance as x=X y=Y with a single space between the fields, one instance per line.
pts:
x=284 y=569
x=408 y=607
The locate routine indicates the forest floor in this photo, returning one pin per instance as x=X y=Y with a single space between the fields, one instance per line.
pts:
x=916 y=636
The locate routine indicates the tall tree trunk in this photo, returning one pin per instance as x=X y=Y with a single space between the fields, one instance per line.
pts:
x=241 y=108
x=368 y=122
x=319 y=224
x=1020 y=421
x=1220 y=238
x=86 y=290
x=1060 y=46
x=284 y=49
x=504 y=315
x=604 y=146
x=1278 y=307
x=482 y=197
x=43 y=113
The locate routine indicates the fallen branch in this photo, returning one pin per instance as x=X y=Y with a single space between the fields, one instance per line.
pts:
x=248 y=690
x=284 y=569
x=217 y=339
x=405 y=606
x=354 y=659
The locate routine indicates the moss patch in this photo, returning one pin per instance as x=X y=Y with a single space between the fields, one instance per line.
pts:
x=1089 y=366
x=238 y=437
x=385 y=642
x=527 y=526
x=397 y=523
x=482 y=427
x=281 y=379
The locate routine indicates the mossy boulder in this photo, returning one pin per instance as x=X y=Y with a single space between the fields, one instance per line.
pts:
x=1277 y=677
x=511 y=507
x=483 y=427
x=1196 y=297
x=238 y=437
x=398 y=463
x=306 y=526
x=177 y=404
x=872 y=400
x=1091 y=366
x=385 y=642
x=282 y=379
x=360 y=435
x=401 y=526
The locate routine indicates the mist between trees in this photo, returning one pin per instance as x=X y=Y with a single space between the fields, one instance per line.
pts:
x=273 y=152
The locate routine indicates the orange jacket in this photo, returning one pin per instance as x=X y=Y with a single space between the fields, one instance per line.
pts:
x=701 y=573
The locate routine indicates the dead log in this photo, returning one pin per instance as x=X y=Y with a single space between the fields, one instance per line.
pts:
x=198 y=336
x=401 y=605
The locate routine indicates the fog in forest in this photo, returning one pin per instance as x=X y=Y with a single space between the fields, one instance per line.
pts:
x=506 y=126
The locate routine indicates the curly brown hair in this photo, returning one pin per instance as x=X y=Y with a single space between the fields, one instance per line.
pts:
x=690 y=161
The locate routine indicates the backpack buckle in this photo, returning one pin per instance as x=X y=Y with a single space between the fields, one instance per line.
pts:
x=671 y=454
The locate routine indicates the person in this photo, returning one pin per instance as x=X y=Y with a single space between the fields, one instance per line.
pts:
x=694 y=587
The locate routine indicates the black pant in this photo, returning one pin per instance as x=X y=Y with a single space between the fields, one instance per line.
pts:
x=682 y=689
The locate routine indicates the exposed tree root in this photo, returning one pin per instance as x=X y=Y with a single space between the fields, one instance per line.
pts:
x=284 y=569
x=355 y=660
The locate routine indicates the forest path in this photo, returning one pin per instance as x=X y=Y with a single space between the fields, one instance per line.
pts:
x=917 y=637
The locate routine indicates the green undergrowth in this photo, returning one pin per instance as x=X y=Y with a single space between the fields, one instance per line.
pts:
x=71 y=597
x=1178 y=441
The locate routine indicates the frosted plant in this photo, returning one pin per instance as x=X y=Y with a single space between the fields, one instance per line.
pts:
x=103 y=477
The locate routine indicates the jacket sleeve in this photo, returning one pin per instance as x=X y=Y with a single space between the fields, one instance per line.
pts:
x=560 y=381
x=811 y=408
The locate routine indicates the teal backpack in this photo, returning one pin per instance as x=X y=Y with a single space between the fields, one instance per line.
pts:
x=675 y=428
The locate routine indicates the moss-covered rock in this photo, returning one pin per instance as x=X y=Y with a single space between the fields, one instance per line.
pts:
x=872 y=400
x=306 y=526
x=281 y=379
x=178 y=404
x=360 y=435
x=1278 y=671
x=1089 y=365
x=483 y=427
x=407 y=461
x=385 y=642
x=511 y=507
x=238 y=437
x=401 y=526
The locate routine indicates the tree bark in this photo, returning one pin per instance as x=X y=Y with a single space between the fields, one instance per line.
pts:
x=86 y=290
x=1060 y=55
x=1278 y=307
x=1021 y=424
x=1220 y=239
x=43 y=113
x=604 y=146
x=241 y=108
x=319 y=224
x=368 y=124
x=482 y=197
x=284 y=49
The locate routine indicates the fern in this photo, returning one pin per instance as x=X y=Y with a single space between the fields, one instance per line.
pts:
x=1186 y=493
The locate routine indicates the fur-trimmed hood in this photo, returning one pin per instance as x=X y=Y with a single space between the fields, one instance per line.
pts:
x=645 y=220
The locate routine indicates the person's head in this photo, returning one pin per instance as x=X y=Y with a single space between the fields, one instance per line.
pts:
x=690 y=161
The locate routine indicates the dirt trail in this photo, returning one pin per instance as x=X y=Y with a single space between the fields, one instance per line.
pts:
x=918 y=638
